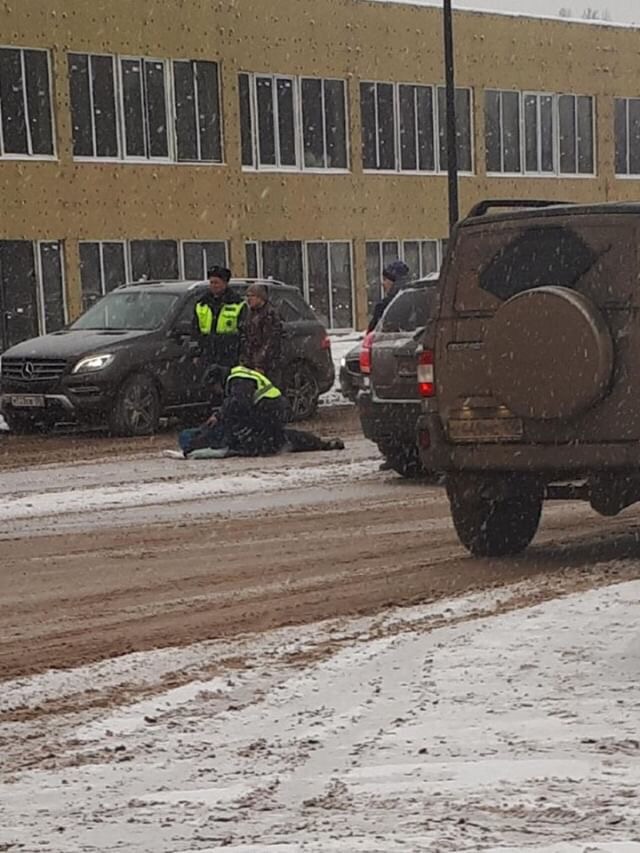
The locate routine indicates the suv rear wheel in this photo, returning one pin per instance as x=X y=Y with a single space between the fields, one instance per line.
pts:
x=499 y=525
x=404 y=460
x=301 y=389
x=136 y=408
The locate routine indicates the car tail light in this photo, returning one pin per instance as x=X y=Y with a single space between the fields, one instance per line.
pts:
x=365 y=353
x=426 y=374
x=326 y=342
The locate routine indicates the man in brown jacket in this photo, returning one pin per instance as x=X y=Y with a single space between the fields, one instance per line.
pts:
x=261 y=347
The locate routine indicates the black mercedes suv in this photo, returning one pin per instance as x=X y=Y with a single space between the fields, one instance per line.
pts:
x=129 y=360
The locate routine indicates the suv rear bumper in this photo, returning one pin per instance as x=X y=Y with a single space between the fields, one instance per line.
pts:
x=552 y=460
x=392 y=422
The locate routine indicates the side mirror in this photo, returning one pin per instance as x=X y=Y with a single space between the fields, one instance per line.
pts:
x=181 y=330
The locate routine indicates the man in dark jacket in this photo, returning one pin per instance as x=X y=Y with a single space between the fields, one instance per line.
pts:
x=261 y=347
x=218 y=321
x=252 y=421
x=393 y=276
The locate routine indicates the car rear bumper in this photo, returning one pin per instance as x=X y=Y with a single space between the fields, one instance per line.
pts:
x=388 y=422
x=551 y=461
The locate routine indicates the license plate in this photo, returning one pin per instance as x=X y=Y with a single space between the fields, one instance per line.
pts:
x=31 y=401
x=485 y=429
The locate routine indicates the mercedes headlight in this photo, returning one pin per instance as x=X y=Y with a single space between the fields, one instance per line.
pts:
x=93 y=363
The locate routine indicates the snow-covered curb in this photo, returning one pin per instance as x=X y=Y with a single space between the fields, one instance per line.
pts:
x=509 y=732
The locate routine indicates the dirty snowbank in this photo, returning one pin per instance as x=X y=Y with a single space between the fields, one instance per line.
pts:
x=502 y=733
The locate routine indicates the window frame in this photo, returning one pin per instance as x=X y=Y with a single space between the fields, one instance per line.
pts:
x=296 y=80
x=188 y=240
x=627 y=175
x=86 y=158
x=556 y=173
x=169 y=112
x=28 y=155
x=42 y=318
x=174 y=111
x=100 y=244
x=257 y=244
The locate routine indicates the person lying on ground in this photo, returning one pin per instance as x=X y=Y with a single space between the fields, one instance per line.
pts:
x=252 y=421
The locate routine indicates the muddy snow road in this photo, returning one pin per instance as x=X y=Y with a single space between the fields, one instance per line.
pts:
x=136 y=551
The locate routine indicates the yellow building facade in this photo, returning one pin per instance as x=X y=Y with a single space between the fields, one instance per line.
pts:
x=296 y=138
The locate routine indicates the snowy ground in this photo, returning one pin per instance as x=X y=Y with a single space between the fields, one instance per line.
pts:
x=479 y=723
x=340 y=346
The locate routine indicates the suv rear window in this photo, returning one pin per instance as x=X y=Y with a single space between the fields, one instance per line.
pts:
x=410 y=310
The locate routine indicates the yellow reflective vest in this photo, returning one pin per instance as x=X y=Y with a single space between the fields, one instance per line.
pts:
x=265 y=389
x=227 y=322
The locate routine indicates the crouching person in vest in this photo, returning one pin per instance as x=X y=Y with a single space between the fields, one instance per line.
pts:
x=252 y=421
x=218 y=321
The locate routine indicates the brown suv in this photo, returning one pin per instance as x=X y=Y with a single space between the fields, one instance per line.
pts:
x=534 y=363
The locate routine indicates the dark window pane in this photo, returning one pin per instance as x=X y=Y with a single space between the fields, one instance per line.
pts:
x=19 y=317
x=209 y=112
x=283 y=261
x=429 y=257
x=493 y=140
x=463 y=130
x=251 y=253
x=153 y=260
x=546 y=133
x=408 y=148
x=113 y=265
x=104 y=106
x=585 y=135
x=156 y=109
x=335 y=124
x=14 y=126
x=390 y=253
x=341 y=290
x=266 y=132
x=133 y=108
x=621 y=131
x=426 y=149
x=246 y=126
x=80 y=105
x=318 y=279
x=386 y=127
x=185 y=99
x=567 y=119
x=374 y=275
x=511 y=131
x=531 y=133
x=51 y=267
x=312 y=124
x=90 y=276
x=200 y=256
x=39 y=102
x=368 y=121
x=442 y=128
x=411 y=257
x=286 y=123
x=634 y=136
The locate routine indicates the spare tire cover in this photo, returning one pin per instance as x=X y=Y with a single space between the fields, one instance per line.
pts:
x=549 y=353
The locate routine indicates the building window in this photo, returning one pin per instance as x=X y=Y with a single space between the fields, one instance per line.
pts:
x=322 y=270
x=103 y=266
x=199 y=256
x=32 y=296
x=539 y=133
x=154 y=260
x=421 y=256
x=197 y=111
x=292 y=123
x=93 y=106
x=26 y=128
x=627 y=136
x=140 y=113
x=404 y=127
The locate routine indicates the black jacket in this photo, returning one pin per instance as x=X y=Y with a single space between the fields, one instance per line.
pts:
x=220 y=349
x=381 y=306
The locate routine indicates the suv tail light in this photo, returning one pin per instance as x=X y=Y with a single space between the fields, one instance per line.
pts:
x=326 y=342
x=426 y=374
x=365 y=353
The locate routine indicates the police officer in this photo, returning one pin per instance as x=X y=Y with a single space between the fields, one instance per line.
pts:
x=218 y=321
x=252 y=421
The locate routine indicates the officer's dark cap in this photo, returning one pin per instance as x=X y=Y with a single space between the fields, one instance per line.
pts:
x=220 y=272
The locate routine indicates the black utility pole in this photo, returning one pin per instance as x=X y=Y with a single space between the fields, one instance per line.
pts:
x=452 y=142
